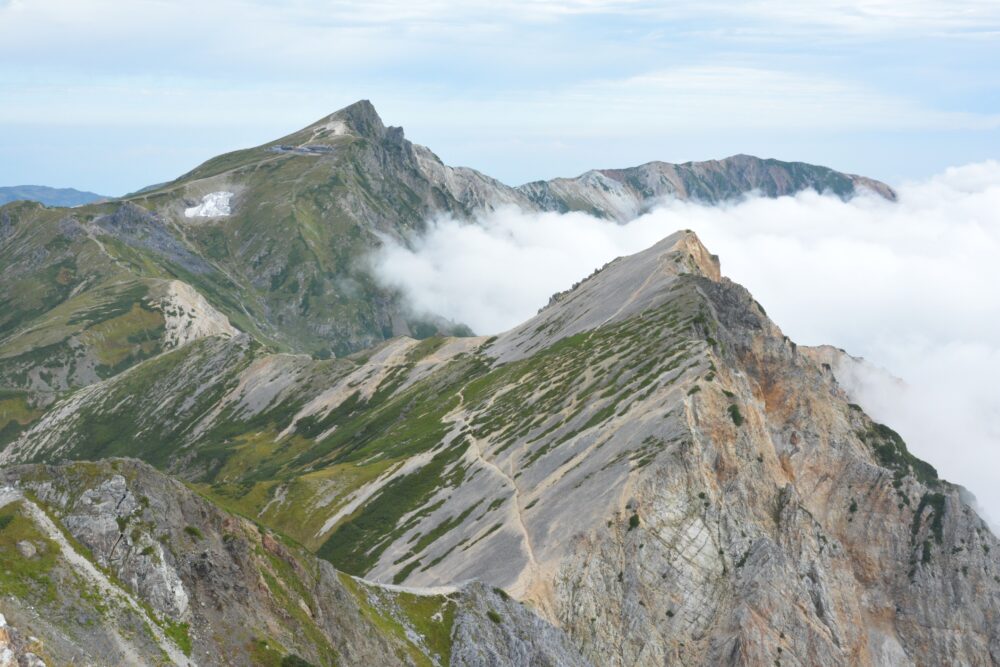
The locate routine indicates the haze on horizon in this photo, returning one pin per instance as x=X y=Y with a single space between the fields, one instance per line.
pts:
x=111 y=97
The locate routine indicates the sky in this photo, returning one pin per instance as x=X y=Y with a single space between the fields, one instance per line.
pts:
x=910 y=286
x=112 y=96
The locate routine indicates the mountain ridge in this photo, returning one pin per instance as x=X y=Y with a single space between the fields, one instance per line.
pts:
x=649 y=181
x=48 y=196
x=646 y=472
x=630 y=473
x=157 y=553
x=279 y=251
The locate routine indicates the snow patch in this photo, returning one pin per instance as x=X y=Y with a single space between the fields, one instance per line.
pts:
x=213 y=205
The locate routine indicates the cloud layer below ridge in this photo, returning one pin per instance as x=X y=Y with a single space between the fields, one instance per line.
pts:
x=911 y=286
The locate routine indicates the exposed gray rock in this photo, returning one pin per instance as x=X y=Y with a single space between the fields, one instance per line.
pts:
x=494 y=630
x=622 y=194
x=15 y=649
x=137 y=227
x=235 y=593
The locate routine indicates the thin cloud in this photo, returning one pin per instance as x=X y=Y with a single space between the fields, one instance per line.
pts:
x=703 y=97
x=682 y=99
x=849 y=16
x=910 y=286
x=873 y=16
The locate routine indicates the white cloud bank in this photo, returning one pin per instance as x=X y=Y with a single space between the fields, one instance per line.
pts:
x=913 y=287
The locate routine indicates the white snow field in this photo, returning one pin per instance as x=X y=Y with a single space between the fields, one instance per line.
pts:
x=213 y=205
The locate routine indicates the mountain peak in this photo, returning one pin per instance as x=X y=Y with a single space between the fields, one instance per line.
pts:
x=702 y=261
x=361 y=119
x=620 y=289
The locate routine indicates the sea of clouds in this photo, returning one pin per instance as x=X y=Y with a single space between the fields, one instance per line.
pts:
x=912 y=286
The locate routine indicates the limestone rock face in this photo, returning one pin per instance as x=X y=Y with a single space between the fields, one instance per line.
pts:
x=798 y=531
x=26 y=549
x=484 y=639
x=188 y=316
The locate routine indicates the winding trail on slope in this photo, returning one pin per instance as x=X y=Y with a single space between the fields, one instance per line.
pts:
x=633 y=297
x=533 y=569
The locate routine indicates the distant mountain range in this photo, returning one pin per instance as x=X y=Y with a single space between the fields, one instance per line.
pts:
x=279 y=247
x=48 y=196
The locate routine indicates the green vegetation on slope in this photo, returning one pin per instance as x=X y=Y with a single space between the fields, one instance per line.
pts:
x=891 y=452
x=22 y=577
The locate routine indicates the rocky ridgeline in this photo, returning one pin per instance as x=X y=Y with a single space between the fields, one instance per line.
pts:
x=278 y=253
x=649 y=464
x=647 y=472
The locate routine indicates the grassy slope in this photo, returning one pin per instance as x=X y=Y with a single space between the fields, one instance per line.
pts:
x=293 y=484
x=240 y=461
x=287 y=267
x=70 y=313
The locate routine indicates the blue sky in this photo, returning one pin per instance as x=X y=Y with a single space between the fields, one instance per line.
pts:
x=110 y=96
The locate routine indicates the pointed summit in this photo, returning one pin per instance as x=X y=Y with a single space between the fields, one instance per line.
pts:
x=617 y=291
x=356 y=120
x=361 y=119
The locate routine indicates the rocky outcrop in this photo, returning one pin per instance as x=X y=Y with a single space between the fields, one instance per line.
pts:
x=492 y=629
x=785 y=526
x=15 y=649
x=187 y=315
x=209 y=588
